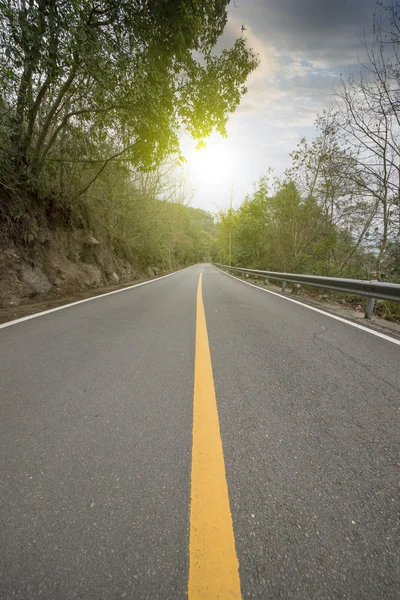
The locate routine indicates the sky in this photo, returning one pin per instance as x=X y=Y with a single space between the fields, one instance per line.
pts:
x=303 y=47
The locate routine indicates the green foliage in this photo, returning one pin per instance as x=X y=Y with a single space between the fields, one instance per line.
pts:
x=282 y=232
x=126 y=72
x=142 y=218
x=93 y=97
x=287 y=232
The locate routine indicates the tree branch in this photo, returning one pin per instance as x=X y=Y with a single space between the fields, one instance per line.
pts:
x=99 y=172
x=63 y=90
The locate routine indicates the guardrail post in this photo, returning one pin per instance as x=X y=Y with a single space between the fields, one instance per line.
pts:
x=283 y=287
x=296 y=288
x=369 y=309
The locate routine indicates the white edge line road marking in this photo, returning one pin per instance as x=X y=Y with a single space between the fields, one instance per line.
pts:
x=46 y=312
x=318 y=310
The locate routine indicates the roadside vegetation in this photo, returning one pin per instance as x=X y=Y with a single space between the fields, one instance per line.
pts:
x=93 y=98
x=336 y=211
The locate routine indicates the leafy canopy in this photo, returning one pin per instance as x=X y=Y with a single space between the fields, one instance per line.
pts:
x=131 y=71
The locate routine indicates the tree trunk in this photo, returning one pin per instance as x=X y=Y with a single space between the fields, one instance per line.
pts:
x=383 y=244
x=20 y=110
x=48 y=121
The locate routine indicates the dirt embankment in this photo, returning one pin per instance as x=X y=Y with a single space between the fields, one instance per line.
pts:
x=64 y=266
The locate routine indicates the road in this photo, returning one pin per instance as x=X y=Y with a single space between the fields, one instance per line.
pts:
x=105 y=430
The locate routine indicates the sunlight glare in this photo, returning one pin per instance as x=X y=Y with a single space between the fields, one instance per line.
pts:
x=212 y=165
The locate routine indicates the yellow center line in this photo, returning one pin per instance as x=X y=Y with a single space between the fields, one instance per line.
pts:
x=213 y=564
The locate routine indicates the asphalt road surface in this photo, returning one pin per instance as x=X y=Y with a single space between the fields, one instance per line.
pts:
x=97 y=436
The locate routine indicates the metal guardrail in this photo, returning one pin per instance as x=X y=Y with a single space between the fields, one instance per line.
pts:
x=371 y=289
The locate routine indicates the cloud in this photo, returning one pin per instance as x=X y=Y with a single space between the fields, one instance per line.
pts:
x=304 y=118
x=259 y=101
x=325 y=33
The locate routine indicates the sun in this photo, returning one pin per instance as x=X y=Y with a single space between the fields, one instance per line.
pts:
x=212 y=165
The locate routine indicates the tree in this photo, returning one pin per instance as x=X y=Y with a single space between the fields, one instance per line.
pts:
x=103 y=80
x=369 y=119
x=226 y=230
x=326 y=171
x=279 y=232
x=251 y=224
